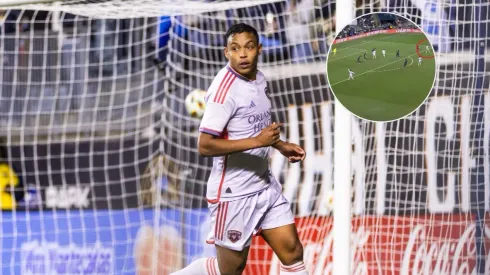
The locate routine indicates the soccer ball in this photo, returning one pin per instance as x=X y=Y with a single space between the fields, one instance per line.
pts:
x=195 y=104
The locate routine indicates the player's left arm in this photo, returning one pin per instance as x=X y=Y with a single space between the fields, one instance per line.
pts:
x=292 y=151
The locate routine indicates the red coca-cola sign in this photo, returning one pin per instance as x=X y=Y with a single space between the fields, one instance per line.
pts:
x=431 y=244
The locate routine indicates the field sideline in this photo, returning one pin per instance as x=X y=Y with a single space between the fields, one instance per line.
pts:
x=382 y=89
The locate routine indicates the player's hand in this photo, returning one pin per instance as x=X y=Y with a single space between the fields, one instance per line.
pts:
x=269 y=135
x=293 y=152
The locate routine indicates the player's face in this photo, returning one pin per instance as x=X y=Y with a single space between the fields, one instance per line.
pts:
x=242 y=50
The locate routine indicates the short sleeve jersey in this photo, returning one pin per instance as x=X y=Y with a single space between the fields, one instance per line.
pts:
x=237 y=108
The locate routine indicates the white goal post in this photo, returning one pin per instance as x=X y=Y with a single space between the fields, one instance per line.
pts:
x=342 y=167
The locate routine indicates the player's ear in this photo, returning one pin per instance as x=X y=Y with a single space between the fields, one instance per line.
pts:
x=260 y=48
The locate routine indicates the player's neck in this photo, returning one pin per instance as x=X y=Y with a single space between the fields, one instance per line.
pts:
x=252 y=76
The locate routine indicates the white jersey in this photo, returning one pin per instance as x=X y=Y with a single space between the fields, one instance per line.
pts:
x=384 y=52
x=237 y=108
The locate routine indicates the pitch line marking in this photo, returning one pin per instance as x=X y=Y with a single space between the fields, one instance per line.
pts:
x=395 y=68
x=370 y=70
x=361 y=51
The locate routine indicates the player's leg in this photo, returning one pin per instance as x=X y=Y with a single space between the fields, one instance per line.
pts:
x=231 y=262
x=201 y=266
x=285 y=243
x=228 y=262
x=231 y=237
x=279 y=231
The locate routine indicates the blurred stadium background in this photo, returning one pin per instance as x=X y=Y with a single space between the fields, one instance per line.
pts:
x=100 y=174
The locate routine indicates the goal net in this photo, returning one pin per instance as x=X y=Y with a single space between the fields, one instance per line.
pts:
x=101 y=171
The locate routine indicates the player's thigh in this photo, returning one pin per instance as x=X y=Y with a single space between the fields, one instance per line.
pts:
x=232 y=226
x=231 y=262
x=279 y=231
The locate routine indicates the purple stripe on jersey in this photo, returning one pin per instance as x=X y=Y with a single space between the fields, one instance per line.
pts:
x=210 y=131
x=236 y=73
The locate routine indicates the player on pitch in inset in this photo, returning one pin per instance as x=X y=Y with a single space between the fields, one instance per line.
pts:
x=351 y=74
x=244 y=197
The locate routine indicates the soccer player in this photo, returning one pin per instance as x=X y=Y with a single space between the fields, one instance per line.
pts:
x=405 y=63
x=351 y=74
x=334 y=51
x=359 y=60
x=365 y=56
x=383 y=51
x=420 y=61
x=397 y=53
x=243 y=196
x=374 y=53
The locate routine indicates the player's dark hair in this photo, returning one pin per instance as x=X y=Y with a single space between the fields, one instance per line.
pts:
x=241 y=28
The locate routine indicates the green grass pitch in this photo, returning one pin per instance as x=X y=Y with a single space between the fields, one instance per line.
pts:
x=382 y=90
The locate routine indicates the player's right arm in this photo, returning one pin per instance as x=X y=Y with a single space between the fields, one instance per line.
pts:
x=210 y=145
x=220 y=108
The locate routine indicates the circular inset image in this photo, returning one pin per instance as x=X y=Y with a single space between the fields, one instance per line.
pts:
x=381 y=67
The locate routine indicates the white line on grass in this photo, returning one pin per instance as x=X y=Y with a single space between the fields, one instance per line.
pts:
x=370 y=70
x=396 y=68
x=362 y=51
x=374 y=40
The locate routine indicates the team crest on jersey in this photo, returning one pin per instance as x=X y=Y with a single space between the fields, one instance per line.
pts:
x=234 y=236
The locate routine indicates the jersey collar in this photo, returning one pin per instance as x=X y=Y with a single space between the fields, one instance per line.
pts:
x=230 y=69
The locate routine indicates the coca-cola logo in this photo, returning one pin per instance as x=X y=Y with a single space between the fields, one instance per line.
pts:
x=319 y=256
x=435 y=245
x=426 y=254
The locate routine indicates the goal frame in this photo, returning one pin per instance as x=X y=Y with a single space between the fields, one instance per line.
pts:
x=342 y=168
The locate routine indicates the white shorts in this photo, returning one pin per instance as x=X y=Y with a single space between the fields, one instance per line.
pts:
x=234 y=223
